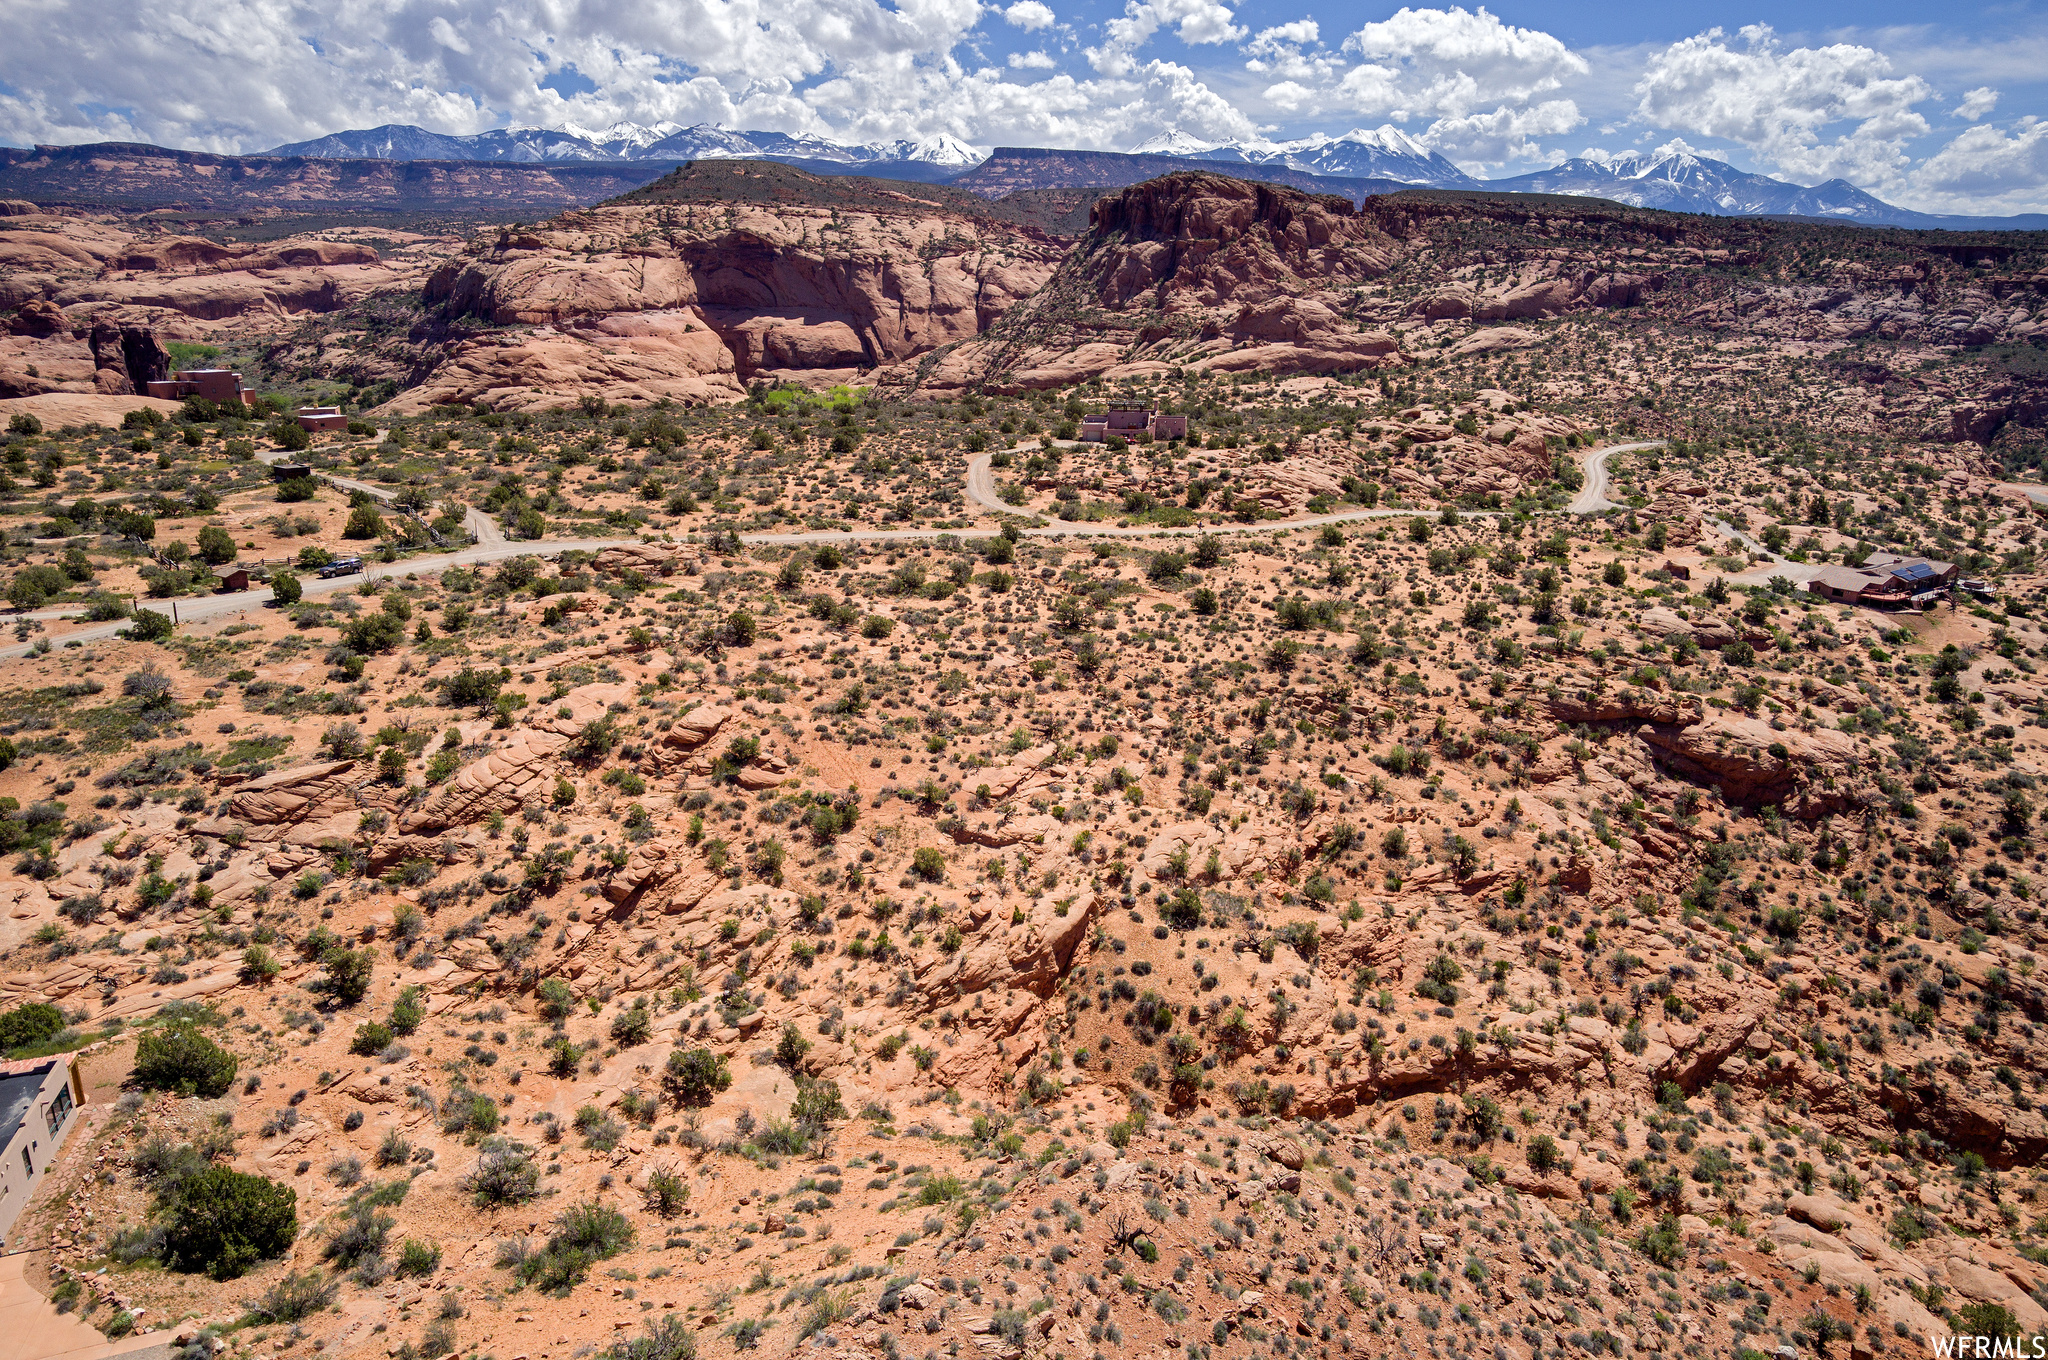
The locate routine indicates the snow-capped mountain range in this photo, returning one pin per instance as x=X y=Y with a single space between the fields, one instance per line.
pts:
x=627 y=142
x=1682 y=181
x=1671 y=178
x=1383 y=153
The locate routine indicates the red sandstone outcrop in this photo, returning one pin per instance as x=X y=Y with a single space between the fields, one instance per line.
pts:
x=637 y=301
x=1195 y=271
x=1805 y=773
x=1534 y=298
x=76 y=284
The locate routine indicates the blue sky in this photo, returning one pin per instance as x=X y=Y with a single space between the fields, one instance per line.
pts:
x=1936 y=107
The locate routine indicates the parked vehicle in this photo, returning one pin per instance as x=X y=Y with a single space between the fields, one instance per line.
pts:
x=342 y=566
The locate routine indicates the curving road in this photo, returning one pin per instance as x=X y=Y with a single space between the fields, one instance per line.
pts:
x=491 y=545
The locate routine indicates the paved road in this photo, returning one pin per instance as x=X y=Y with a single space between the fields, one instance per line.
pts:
x=1592 y=497
x=493 y=547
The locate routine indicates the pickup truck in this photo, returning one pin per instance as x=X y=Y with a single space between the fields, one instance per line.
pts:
x=345 y=566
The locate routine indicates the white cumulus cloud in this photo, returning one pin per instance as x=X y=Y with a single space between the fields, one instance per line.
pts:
x=1490 y=88
x=1030 y=15
x=1813 y=112
x=1296 y=34
x=1453 y=62
x=1976 y=103
x=245 y=75
x=1986 y=169
x=1193 y=21
x=1482 y=140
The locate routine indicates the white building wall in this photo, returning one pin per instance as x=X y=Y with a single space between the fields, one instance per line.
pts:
x=29 y=1156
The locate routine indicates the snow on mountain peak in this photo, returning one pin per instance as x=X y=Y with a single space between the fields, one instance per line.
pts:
x=1387 y=138
x=1174 y=142
x=944 y=149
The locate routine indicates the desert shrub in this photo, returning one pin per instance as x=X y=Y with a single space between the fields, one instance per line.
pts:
x=830 y=1306
x=695 y=1075
x=783 y=1137
x=1911 y=1225
x=471 y=1113
x=149 y=626
x=668 y=1339
x=130 y=1245
x=360 y=1237
x=34 y=1023
x=347 y=978
x=1662 y=1243
x=584 y=1235
x=664 y=1191
x=555 y=997
x=418 y=1258
x=1183 y=911
x=407 y=1011
x=224 y=1222
x=633 y=1025
x=438 y=1339
x=179 y=1058
x=1987 y=1319
x=165 y=1164
x=505 y=1174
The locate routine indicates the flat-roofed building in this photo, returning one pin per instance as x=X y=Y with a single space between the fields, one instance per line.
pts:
x=39 y=1100
x=1125 y=421
x=218 y=385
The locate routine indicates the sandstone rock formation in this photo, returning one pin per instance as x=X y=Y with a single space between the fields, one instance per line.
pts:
x=689 y=300
x=1194 y=271
x=128 y=359
x=1805 y=773
x=68 y=274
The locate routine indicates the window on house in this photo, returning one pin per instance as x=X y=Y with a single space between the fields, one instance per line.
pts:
x=60 y=1110
x=27 y=1165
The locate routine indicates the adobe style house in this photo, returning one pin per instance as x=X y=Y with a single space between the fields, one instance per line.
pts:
x=39 y=1100
x=1126 y=421
x=1884 y=579
x=217 y=385
x=317 y=418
